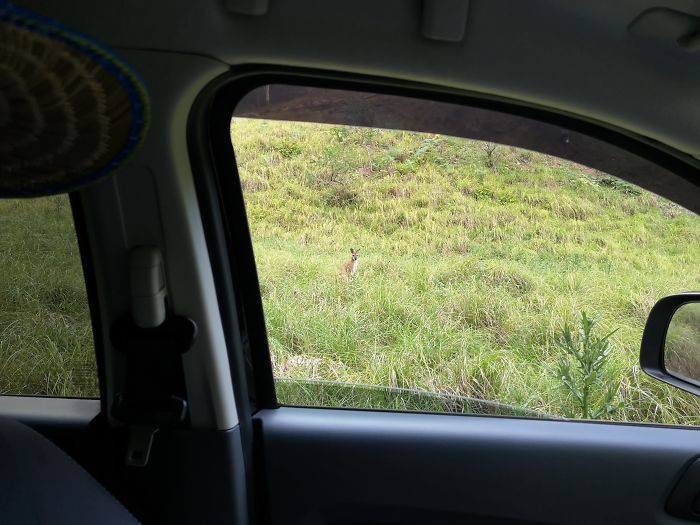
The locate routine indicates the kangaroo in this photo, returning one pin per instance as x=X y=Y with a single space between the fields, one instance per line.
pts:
x=349 y=269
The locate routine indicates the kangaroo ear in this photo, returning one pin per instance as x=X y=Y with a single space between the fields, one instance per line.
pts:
x=352 y=251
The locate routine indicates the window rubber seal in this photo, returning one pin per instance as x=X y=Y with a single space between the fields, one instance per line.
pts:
x=90 y=279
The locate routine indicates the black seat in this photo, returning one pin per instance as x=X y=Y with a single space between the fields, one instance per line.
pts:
x=41 y=484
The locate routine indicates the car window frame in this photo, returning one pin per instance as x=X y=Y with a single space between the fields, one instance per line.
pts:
x=222 y=202
x=87 y=263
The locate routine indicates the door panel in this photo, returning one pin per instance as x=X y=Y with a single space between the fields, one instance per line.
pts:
x=333 y=466
x=327 y=466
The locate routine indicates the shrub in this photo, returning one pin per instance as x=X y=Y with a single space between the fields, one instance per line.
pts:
x=340 y=197
x=581 y=370
x=489 y=158
x=482 y=193
x=288 y=149
x=616 y=184
x=340 y=134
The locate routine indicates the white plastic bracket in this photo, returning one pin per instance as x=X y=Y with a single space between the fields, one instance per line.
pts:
x=147 y=286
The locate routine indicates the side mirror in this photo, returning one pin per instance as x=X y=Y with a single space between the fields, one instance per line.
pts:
x=671 y=342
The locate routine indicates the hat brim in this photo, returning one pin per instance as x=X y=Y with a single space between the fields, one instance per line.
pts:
x=70 y=111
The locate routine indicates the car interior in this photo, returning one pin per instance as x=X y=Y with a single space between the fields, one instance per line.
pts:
x=185 y=421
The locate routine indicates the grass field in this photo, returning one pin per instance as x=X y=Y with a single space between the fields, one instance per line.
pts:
x=472 y=262
x=46 y=343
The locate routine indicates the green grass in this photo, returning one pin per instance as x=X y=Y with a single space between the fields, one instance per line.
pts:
x=470 y=265
x=46 y=343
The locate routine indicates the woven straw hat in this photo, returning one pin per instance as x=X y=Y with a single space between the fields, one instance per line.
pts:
x=70 y=111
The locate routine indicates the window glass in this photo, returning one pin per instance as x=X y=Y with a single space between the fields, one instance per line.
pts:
x=419 y=271
x=46 y=342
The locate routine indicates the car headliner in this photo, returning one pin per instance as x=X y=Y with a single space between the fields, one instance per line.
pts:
x=582 y=58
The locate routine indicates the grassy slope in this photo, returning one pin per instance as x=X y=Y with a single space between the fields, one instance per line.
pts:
x=469 y=266
x=46 y=345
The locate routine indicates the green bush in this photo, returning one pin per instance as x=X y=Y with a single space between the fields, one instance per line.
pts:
x=582 y=370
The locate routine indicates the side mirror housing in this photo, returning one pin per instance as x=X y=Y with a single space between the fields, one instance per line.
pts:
x=671 y=342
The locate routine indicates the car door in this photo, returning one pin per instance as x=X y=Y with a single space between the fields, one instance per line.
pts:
x=359 y=460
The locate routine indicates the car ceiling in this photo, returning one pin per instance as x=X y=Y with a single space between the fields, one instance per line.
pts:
x=583 y=58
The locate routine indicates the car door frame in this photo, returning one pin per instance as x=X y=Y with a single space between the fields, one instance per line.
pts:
x=264 y=423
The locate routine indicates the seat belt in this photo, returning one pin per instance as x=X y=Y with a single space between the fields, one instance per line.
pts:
x=152 y=341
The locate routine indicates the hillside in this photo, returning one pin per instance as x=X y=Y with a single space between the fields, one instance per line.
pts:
x=472 y=260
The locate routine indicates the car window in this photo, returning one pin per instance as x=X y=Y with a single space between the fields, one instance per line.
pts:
x=46 y=341
x=421 y=271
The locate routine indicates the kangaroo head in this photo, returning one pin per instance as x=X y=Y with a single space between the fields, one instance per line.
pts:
x=355 y=254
